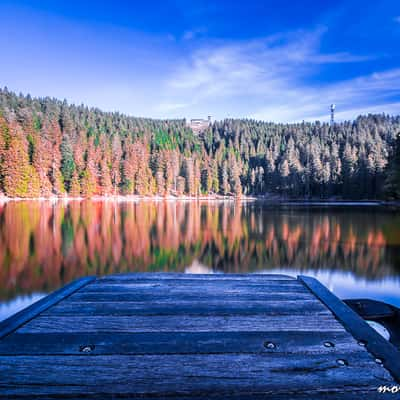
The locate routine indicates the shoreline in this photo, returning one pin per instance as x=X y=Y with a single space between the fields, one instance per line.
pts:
x=243 y=199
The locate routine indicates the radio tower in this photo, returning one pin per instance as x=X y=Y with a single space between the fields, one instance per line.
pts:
x=333 y=106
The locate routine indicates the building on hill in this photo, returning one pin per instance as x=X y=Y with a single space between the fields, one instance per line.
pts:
x=198 y=125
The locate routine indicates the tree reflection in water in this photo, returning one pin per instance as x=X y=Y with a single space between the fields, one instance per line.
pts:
x=44 y=245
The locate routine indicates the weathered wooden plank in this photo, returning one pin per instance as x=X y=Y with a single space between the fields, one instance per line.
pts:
x=12 y=323
x=180 y=323
x=375 y=343
x=166 y=375
x=190 y=287
x=330 y=394
x=178 y=290
x=218 y=307
x=182 y=276
x=197 y=297
x=196 y=282
x=284 y=343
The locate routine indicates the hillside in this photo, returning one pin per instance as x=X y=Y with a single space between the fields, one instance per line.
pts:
x=48 y=147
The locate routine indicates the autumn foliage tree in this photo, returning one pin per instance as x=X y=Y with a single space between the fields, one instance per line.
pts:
x=42 y=162
x=89 y=174
x=4 y=143
x=16 y=168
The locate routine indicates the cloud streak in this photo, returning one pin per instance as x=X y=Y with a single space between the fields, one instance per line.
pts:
x=270 y=79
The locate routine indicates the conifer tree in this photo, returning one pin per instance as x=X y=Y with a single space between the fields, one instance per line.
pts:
x=75 y=187
x=116 y=158
x=4 y=143
x=89 y=175
x=189 y=177
x=105 y=182
x=392 y=184
x=67 y=161
x=180 y=186
x=42 y=162
x=224 y=179
x=16 y=168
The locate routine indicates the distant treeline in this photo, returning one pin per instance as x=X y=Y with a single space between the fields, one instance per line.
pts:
x=48 y=147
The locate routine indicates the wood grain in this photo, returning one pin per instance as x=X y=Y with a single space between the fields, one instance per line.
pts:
x=184 y=323
x=182 y=276
x=177 y=307
x=166 y=375
x=194 y=296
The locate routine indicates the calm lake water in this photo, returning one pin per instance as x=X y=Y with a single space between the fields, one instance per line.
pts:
x=355 y=251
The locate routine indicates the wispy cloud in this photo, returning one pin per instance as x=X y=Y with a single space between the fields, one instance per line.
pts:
x=193 y=33
x=166 y=107
x=373 y=93
x=267 y=79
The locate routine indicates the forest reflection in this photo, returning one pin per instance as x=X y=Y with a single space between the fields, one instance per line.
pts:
x=44 y=245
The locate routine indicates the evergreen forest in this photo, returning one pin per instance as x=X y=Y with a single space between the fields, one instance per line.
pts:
x=51 y=148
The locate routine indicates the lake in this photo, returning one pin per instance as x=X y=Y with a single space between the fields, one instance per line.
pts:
x=354 y=251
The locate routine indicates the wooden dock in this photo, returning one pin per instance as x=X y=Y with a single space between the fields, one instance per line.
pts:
x=194 y=336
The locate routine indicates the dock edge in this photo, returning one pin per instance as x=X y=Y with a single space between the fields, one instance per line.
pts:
x=12 y=323
x=356 y=326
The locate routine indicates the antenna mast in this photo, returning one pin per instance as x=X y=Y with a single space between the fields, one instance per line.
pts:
x=333 y=106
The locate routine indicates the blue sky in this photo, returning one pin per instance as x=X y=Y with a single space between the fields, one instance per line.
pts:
x=271 y=60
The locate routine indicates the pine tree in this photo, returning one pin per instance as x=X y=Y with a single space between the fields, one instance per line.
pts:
x=105 y=182
x=129 y=165
x=349 y=165
x=260 y=180
x=160 y=182
x=106 y=188
x=234 y=177
x=171 y=170
x=16 y=168
x=174 y=167
x=335 y=167
x=75 y=187
x=4 y=144
x=34 y=183
x=53 y=132
x=42 y=162
x=392 y=184
x=252 y=179
x=180 y=186
x=143 y=174
x=89 y=175
x=214 y=177
x=224 y=179
x=67 y=161
x=197 y=177
x=206 y=180
x=116 y=157
x=189 y=177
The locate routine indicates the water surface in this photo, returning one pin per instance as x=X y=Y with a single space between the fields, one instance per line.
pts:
x=355 y=251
